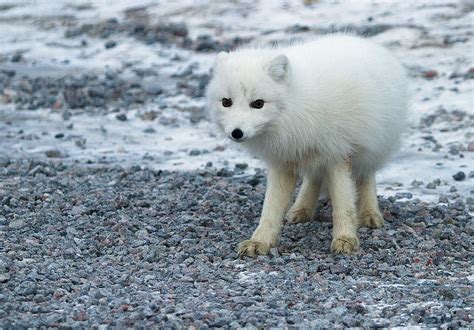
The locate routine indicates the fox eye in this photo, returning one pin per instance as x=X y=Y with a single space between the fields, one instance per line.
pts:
x=257 y=104
x=226 y=102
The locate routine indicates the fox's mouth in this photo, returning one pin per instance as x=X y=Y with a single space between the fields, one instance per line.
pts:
x=242 y=139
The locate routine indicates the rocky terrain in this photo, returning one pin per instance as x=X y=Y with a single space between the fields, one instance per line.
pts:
x=111 y=246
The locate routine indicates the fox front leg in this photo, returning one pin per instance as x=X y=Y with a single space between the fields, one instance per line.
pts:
x=281 y=183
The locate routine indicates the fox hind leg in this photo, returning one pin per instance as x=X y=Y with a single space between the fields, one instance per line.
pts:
x=342 y=191
x=369 y=212
x=304 y=208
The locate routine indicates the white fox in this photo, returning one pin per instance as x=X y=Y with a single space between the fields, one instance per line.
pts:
x=331 y=111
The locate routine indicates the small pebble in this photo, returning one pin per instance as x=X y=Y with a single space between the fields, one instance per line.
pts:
x=469 y=74
x=53 y=153
x=416 y=183
x=430 y=74
x=460 y=176
x=4 y=278
x=17 y=224
x=110 y=44
x=470 y=147
x=17 y=57
x=241 y=166
x=121 y=117
x=406 y=195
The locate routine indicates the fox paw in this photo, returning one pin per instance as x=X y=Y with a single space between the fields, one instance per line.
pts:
x=299 y=215
x=344 y=245
x=252 y=248
x=372 y=219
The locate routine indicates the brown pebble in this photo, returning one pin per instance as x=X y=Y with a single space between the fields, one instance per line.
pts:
x=81 y=316
x=57 y=105
x=53 y=153
x=470 y=147
x=58 y=294
x=469 y=74
x=430 y=74
x=149 y=115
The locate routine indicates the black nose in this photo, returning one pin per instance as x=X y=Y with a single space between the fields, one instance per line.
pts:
x=237 y=133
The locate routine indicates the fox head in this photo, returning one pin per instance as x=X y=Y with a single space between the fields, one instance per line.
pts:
x=247 y=93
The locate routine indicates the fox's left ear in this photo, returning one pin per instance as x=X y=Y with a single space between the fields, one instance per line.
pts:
x=279 y=67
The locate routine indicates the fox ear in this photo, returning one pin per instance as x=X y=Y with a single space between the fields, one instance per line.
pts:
x=220 y=58
x=278 y=68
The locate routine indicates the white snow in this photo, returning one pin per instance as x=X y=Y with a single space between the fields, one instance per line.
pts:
x=418 y=42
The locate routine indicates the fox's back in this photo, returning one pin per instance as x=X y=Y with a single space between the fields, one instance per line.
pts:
x=338 y=62
x=358 y=87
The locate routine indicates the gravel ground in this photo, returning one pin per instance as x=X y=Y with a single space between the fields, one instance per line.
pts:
x=92 y=246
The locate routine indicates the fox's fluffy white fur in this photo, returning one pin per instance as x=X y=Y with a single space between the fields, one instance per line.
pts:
x=333 y=110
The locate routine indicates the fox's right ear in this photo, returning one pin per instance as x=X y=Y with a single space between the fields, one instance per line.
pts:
x=220 y=58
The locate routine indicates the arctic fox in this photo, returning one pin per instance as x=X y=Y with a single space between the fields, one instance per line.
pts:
x=331 y=111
